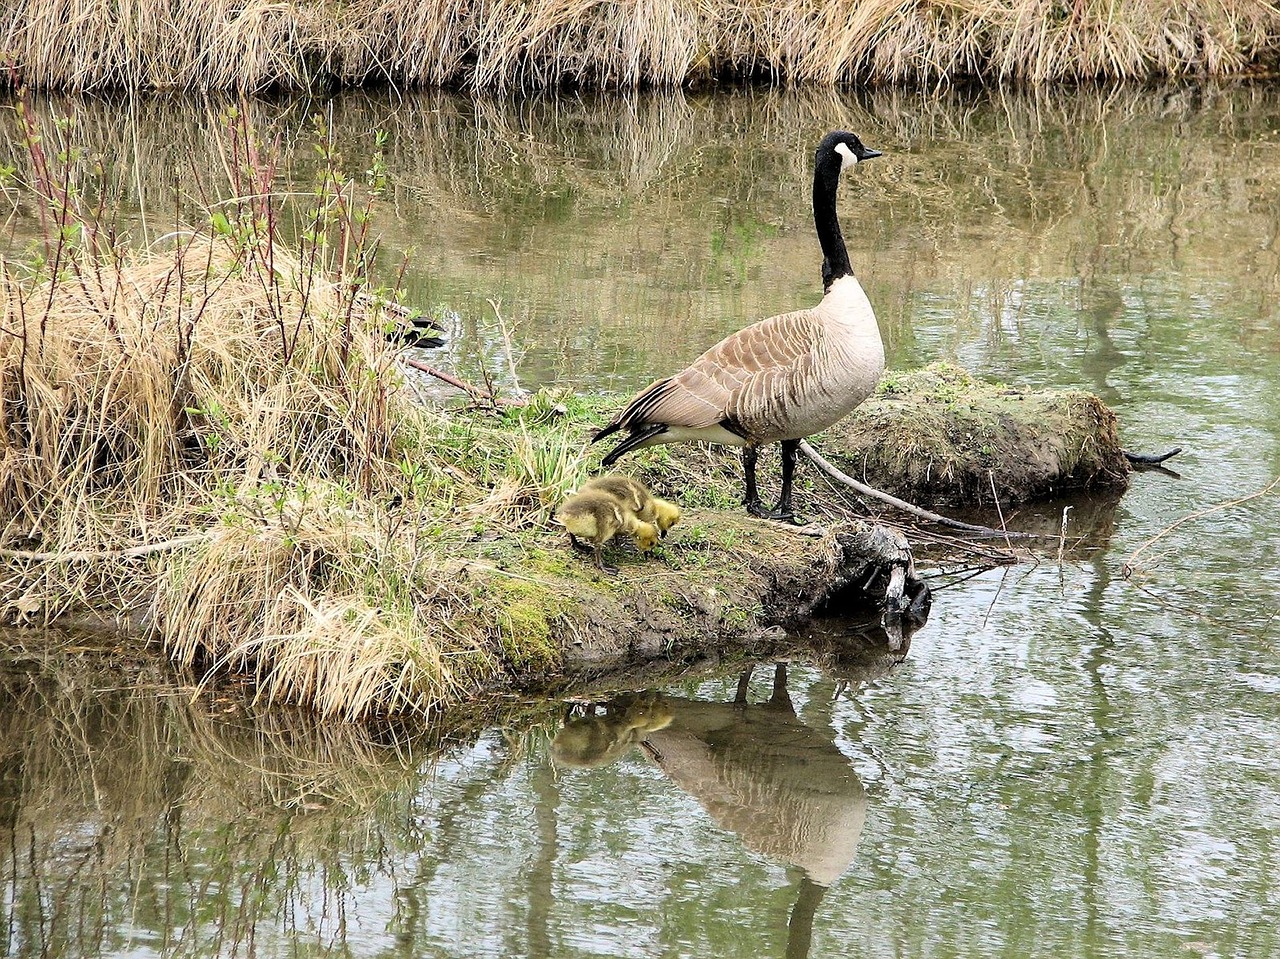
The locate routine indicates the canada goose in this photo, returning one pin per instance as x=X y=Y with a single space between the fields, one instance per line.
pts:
x=636 y=496
x=596 y=517
x=781 y=379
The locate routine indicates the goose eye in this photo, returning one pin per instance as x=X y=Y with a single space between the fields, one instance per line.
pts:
x=848 y=154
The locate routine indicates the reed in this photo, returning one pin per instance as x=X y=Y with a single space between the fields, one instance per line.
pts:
x=505 y=44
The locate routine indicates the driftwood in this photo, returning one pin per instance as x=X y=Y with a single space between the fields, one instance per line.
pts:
x=1140 y=460
x=844 y=478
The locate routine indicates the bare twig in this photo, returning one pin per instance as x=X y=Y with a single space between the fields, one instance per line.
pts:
x=995 y=498
x=1131 y=564
x=81 y=555
x=506 y=340
x=960 y=576
x=475 y=392
x=1062 y=536
x=841 y=477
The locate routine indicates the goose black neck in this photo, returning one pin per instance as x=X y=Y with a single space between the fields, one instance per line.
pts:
x=826 y=178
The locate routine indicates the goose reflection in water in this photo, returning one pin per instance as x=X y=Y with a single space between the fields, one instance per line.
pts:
x=783 y=787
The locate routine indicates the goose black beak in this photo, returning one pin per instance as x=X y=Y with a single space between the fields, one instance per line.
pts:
x=869 y=154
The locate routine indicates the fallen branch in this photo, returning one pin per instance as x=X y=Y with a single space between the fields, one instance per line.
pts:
x=841 y=477
x=1130 y=565
x=74 y=556
x=475 y=392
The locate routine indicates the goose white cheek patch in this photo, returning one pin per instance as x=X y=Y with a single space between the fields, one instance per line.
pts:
x=848 y=158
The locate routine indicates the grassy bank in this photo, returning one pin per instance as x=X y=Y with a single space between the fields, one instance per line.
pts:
x=548 y=43
x=214 y=439
x=218 y=442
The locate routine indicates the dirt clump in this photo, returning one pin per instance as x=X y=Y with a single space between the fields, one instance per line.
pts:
x=938 y=435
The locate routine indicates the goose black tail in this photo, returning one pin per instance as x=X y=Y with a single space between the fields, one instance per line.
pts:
x=631 y=442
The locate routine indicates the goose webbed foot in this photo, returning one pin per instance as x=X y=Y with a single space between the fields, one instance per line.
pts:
x=780 y=512
x=603 y=566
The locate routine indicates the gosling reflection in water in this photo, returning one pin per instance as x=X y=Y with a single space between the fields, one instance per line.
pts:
x=597 y=740
x=758 y=771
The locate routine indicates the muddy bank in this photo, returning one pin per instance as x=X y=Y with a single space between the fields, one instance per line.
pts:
x=723 y=589
x=726 y=587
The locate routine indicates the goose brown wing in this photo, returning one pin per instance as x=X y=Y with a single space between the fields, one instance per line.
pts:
x=669 y=402
x=759 y=366
x=712 y=388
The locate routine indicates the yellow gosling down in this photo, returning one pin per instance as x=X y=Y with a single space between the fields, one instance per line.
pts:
x=635 y=496
x=595 y=517
x=665 y=514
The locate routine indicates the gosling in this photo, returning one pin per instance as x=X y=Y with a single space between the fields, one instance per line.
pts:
x=634 y=495
x=595 y=517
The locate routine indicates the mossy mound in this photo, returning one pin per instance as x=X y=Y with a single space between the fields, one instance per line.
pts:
x=937 y=435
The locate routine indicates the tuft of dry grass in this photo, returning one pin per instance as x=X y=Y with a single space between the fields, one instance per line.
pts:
x=520 y=44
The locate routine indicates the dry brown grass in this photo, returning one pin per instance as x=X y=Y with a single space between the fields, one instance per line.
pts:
x=253 y=45
x=151 y=397
x=268 y=473
x=169 y=446
x=215 y=436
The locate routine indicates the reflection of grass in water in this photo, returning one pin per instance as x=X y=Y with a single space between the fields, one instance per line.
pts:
x=138 y=809
x=741 y=243
x=978 y=189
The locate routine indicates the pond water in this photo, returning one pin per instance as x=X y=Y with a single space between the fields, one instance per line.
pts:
x=1066 y=762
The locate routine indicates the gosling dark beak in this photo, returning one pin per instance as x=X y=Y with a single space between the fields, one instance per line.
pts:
x=869 y=154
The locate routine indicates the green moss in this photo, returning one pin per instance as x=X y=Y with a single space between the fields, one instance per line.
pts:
x=526 y=616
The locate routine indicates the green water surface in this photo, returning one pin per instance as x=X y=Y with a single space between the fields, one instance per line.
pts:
x=1066 y=762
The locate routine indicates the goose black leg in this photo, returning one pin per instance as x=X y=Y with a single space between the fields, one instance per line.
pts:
x=751 y=498
x=790 y=450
